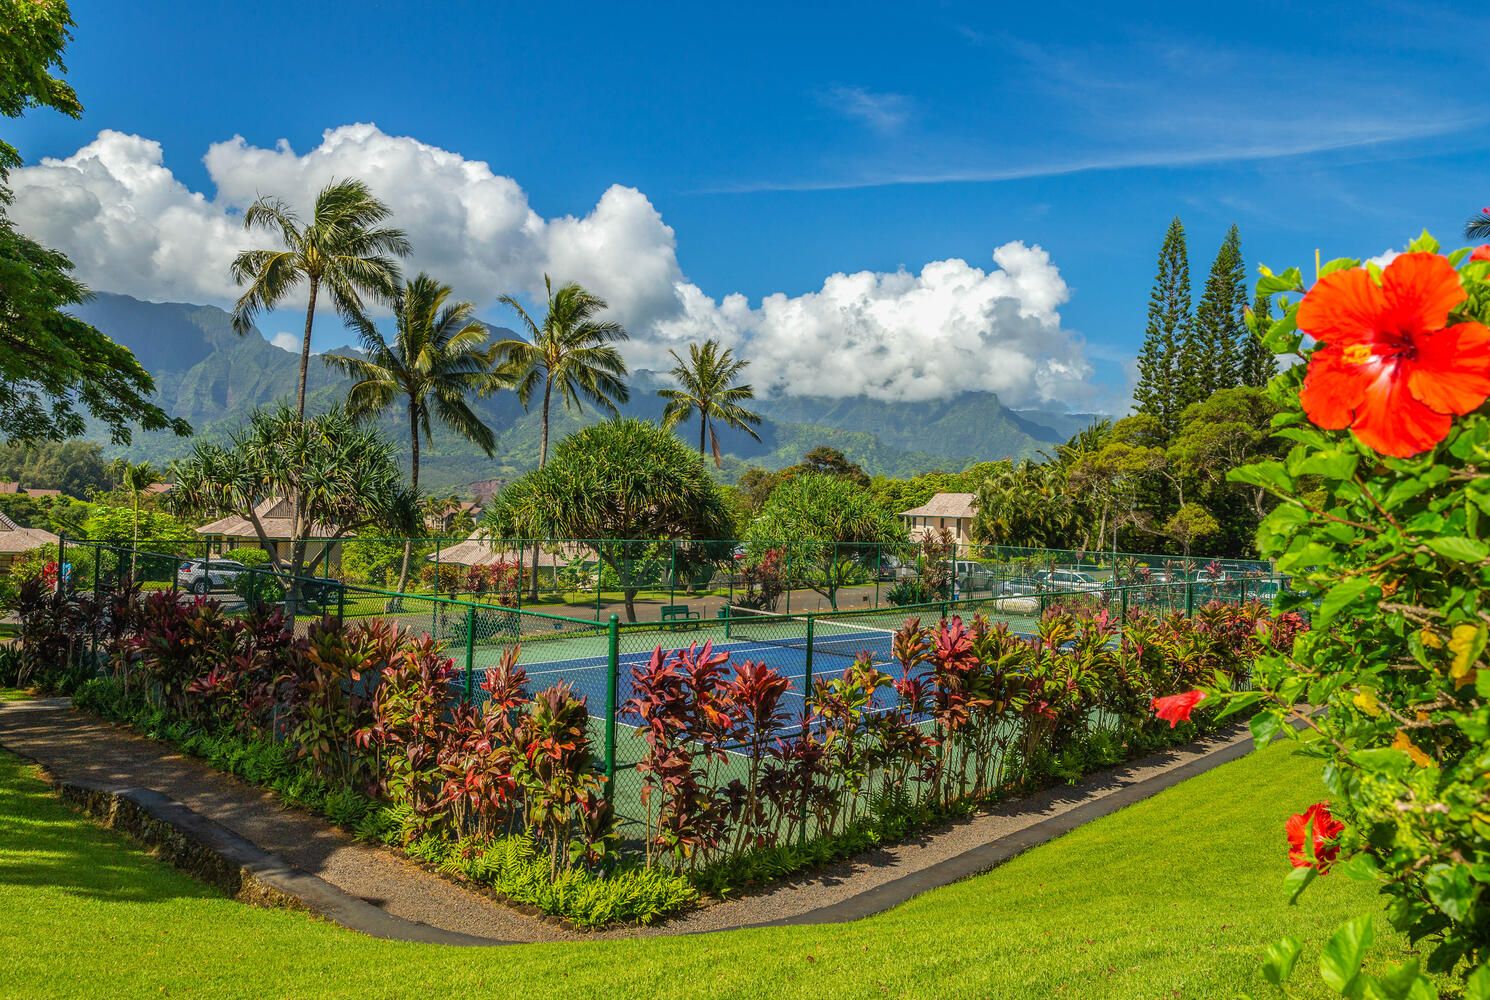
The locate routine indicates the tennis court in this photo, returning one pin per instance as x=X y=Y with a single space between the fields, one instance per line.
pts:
x=780 y=642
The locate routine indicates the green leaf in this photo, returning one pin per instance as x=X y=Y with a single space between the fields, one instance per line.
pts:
x=1266 y=475
x=1465 y=550
x=1384 y=760
x=1282 y=956
x=1239 y=701
x=1283 y=336
x=1342 y=595
x=1359 y=867
x=1451 y=890
x=1326 y=464
x=1297 y=881
x=1339 y=264
x=1340 y=962
x=1477 y=986
x=1291 y=280
x=1264 y=726
x=1425 y=243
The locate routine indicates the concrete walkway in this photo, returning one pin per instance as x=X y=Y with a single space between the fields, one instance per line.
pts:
x=376 y=891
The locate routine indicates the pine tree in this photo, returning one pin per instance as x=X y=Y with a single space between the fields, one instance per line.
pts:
x=1258 y=364
x=1210 y=356
x=1158 y=391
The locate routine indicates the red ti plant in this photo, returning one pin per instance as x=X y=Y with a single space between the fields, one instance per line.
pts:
x=407 y=729
x=326 y=707
x=477 y=762
x=844 y=706
x=687 y=721
x=555 y=766
x=756 y=692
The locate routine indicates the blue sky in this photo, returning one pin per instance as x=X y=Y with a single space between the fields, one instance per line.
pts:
x=783 y=143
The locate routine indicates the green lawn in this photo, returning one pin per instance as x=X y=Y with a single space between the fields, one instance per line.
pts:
x=1176 y=897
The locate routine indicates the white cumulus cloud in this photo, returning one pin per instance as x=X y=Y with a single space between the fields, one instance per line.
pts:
x=286 y=341
x=131 y=226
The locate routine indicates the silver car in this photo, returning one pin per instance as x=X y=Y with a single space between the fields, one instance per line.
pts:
x=202 y=576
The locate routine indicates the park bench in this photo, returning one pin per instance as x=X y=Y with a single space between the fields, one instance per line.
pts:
x=680 y=615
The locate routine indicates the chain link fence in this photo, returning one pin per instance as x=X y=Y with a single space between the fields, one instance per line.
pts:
x=599 y=657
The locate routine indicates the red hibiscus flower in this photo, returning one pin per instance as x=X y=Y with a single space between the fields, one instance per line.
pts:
x=1481 y=252
x=1389 y=366
x=1177 y=707
x=1317 y=825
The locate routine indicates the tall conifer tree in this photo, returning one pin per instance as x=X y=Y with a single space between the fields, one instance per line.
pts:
x=1258 y=364
x=1210 y=358
x=1158 y=390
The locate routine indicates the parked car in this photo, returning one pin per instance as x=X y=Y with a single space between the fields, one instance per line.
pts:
x=201 y=576
x=972 y=576
x=1020 y=586
x=1068 y=580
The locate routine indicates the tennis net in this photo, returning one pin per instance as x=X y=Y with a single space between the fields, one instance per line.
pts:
x=845 y=638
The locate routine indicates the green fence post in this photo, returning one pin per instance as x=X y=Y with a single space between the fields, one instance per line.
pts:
x=341 y=604
x=1189 y=599
x=61 y=559
x=806 y=701
x=470 y=654
x=672 y=572
x=1123 y=608
x=612 y=684
x=946 y=612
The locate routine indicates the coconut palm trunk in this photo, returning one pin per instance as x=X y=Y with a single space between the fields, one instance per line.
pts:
x=403 y=569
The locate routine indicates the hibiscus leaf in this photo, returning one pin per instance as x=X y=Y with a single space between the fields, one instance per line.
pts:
x=1282 y=957
x=1451 y=890
x=1297 y=881
x=1339 y=264
x=1477 y=986
x=1465 y=550
x=1264 y=726
x=1291 y=280
x=1340 y=962
x=1425 y=243
x=1343 y=594
x=1359 y=867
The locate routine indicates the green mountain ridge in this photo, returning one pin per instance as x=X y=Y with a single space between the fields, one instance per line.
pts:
x=213 y=377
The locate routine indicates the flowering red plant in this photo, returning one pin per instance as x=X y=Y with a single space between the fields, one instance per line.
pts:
x=1391 y=366
x=1312 y=836
x=1176 y=708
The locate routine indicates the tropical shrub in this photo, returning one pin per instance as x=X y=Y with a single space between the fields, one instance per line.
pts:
x=1381 y=519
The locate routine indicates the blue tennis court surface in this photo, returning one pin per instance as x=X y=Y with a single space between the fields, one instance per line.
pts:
x=831 y=655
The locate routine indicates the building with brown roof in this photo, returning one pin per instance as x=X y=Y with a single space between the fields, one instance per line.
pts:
x=16 y=541
x=953 y=511
x=276 y=515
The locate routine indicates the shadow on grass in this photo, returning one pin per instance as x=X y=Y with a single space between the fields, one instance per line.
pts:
x=44 y=844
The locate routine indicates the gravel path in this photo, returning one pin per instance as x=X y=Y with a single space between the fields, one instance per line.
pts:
x=74 y=746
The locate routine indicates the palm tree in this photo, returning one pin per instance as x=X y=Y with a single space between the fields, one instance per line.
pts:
x=708 y=387
x=436 y=359
x=344 y=249
x=1478 y=226
x=571 y=351
x=135 y=479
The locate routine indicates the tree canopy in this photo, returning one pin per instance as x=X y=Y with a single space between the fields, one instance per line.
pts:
x=341 y=475
x=815 y=519
x=55 y=370
x=623 y=484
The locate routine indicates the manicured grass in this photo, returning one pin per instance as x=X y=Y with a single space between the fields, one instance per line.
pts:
x=1176 y=897
x=16 y=694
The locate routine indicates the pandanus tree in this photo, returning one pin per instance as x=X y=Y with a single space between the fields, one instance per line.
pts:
x=436 y=360
x=624 y=483
x=708 y=386
x=344 y=251
x=343 y=474
x=572 y=352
